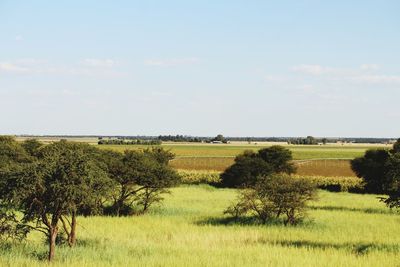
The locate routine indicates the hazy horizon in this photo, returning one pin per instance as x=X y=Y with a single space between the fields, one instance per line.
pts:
x=260 y=68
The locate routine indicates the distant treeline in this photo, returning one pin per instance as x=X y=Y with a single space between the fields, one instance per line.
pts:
x=120 y=141
x=188 y=138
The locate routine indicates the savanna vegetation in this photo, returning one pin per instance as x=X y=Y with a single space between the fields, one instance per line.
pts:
x=77 y=205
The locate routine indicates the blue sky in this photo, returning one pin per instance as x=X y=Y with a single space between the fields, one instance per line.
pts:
x=240 y=68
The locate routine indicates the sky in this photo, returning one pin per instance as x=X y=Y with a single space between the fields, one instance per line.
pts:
x=201 y=68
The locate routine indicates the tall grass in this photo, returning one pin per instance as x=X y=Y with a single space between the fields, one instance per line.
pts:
x=189 y=229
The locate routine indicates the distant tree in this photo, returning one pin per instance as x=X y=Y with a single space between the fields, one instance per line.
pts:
x=310 y=140
x=324 y=141
x=372 y=168
x=249 y=166
x=141 y=178
x=219 y=138
x=275 y=196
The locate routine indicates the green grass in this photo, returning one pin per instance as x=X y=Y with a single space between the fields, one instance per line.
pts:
x=190 y=230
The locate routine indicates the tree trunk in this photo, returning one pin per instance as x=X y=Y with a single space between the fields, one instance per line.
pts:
x=72 y=236
x=53 y=231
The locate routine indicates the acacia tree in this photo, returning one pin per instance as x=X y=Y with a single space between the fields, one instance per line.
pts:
x=50 y=190
x=141 y=178
x=250 y=165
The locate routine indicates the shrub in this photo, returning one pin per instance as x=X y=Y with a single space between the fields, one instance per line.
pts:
x=275 y=196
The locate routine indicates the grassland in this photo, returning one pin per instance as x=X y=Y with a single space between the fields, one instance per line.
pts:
x=300 y=152
x=190 y=230
x=333 y=160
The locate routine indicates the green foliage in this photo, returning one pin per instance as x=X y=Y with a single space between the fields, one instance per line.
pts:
x=250 y=165
x=11 y=152
x=141 y=178
x=274 y=196
x=32 y=146
x=396 y=147
x=393 y=187
x=61 y=180
x=10 y=227
x=372 y=169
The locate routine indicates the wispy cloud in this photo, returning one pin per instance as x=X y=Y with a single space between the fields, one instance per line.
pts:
x=98 y=63
x=312 y=69
x=368 y=74
x=172 y=62
x=370 y=67
x=12 y=67
x=378 y=79
x=86 y=67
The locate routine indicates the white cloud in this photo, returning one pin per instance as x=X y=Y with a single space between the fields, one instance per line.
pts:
x=172 y=62
x=312 y=69
x=11 y=67
x=378 y=79
x=102 y=63
x=369 y=67
x=87 y=67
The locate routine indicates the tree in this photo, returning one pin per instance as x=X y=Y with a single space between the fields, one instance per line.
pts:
x=141 y=178
x=396 y=147
x=372 y=169
x=49 y=191
x=393 y=178
x=273 y=196
x=250 y=165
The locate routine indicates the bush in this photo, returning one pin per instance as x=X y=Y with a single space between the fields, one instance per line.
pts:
x=250 y=165
x=275 y=196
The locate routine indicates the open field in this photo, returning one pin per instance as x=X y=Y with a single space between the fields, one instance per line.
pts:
x=329 y=160
x=300 y=152
x=189 y=229
x=306 y=167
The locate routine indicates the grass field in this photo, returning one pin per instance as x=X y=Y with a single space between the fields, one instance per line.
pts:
x=333 y=160
x=300 y=152
x=190 y=230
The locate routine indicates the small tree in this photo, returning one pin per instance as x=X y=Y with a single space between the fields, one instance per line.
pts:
x=141 y=178
x=274 y=196
x=249 y=166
